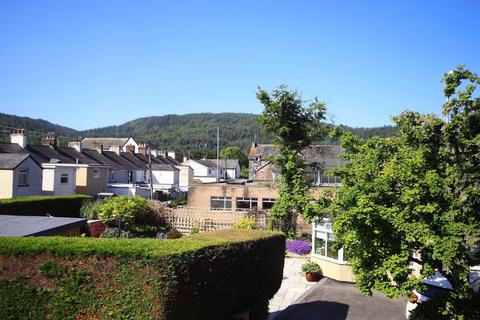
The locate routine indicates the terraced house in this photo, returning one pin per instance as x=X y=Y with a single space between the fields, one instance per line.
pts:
x=76 y=169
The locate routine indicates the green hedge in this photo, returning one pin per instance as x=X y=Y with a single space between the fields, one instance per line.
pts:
x=57 y=206
x=204 y=276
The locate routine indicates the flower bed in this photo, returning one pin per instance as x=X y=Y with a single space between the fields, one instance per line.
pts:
x=299 y=247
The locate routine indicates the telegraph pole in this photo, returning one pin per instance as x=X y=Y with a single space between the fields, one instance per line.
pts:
x=150 y=172
x=218 y=147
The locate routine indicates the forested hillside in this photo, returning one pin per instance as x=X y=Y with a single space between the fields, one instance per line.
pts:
x=191 y=133
x=36 y=128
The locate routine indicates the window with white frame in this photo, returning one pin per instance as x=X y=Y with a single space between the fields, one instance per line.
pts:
x=324 y=242
x=96 y=174
x=246 y=203
x=220 y=203
x=23 y=177
x=64 y=178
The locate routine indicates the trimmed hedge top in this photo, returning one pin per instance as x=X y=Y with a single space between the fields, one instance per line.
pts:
x=57 y=206
x=132 y=248
x=44 y=198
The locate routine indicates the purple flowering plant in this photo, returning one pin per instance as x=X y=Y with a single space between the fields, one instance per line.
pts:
x=299 y=247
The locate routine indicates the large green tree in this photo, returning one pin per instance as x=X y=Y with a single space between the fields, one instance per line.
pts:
x=235 y=153
x=415 y=198
x=294 y=125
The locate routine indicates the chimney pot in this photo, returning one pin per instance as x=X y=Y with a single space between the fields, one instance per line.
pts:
x=18 y=136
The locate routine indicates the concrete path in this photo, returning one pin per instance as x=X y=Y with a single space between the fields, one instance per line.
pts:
x=293 y=284
x=335 y=300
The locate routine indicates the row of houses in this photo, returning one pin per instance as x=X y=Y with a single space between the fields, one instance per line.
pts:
x=122 y=166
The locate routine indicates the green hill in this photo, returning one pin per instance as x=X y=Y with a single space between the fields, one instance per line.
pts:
x=190 y=133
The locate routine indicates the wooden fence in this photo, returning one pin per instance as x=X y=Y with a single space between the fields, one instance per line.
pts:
x=185 y=218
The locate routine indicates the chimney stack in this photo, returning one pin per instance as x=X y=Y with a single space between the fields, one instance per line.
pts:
x=142 y=148
x=154 y=152
x=171 y=154
x=116 y=148
x=130 y=148
x=76 y=144
x=50 y=140
x=97 y=146
x=18 y=136
x=185 y=159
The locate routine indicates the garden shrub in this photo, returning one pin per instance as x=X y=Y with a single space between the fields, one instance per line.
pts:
x=90 y=209
x=123 y=211
x=174 y=234
x=57 y=206
x=246 y=223
x=204 y=276
x=299 y=247
x=116 y=233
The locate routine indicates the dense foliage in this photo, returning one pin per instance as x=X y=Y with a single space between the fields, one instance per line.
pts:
x=90 y=209
x=414 y=198
x=293 y=127
x=124 y=211
x=246 y=223
x=235 y=153
x=205 y=276
x=311 y=267
x=57 y=206
x=193 y=134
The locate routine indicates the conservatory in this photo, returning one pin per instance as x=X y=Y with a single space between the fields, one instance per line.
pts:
x=332 y=260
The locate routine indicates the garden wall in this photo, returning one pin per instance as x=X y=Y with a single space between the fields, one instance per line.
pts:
x=204 y=276
x=57 y=206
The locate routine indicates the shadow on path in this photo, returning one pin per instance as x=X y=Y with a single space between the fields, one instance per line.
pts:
x=313 y=310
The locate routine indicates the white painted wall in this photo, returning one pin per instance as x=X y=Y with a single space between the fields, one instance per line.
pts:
x=64 y=188
x=165 y=179
x=185 y=177
x=129 y=142
x=48 y=180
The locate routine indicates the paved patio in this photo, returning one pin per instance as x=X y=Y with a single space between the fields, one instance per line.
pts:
x=293 y=286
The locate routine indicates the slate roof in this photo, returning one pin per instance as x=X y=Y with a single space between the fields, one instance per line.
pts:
x=76 y=156
x=22 y=226
x=134 y=160
x=124 y=163
x=11 y=148
x=326 y=156
x=163 y=167
x=89 y=143
x=225 y=164
x=9 y=161
x=207 y=163
x=46 y=154
x=172 y=161
x=100 y=158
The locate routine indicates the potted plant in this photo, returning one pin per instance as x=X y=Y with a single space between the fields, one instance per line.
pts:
x=312 y=270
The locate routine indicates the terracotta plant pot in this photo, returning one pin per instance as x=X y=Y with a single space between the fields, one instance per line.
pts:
x=312 y=277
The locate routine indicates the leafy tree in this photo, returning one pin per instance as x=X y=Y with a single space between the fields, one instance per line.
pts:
x=235 y=153
x=293 y=127
x=414 y=198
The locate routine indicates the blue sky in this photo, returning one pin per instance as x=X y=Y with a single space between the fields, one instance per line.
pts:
x=87 y=64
